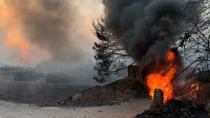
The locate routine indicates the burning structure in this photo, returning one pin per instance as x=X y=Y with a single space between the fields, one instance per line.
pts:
x=162 y=78
x=147 y=29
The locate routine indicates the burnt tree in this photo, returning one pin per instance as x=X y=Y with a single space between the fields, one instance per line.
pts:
x=194 y=43
x=111 y=58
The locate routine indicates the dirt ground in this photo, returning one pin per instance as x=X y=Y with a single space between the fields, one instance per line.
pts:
x=37 y=93
x=123 y=110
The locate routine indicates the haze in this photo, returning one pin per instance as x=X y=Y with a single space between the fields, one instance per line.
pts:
x=22 y=45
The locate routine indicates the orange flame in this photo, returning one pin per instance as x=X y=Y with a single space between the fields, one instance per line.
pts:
x=16 y=40
x=194 y=89
x=11 y=24
x=13 y=31
x=161 y=79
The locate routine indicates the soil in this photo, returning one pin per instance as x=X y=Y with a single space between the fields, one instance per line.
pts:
x=121 y=90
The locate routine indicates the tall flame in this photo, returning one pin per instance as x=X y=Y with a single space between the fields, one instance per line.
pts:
x=161 y=79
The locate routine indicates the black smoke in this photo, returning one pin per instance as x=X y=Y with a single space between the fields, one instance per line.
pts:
x=146 y=27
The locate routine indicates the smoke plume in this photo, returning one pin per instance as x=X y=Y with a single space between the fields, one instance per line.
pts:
x=47 y=24
x=52 y=36
x=146 y=27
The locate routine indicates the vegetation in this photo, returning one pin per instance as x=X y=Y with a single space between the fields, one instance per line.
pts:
x=111 y=58
x=193 y=44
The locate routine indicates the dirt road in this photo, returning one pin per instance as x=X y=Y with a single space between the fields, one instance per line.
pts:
x=124 y=110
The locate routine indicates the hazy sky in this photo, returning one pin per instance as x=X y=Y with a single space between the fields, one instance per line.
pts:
x=16 y=49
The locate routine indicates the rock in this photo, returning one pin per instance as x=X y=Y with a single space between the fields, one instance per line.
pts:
x=75 y=97
x=66 y=101
x=158 y=98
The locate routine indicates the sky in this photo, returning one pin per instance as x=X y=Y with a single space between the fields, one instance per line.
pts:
x=22 y=43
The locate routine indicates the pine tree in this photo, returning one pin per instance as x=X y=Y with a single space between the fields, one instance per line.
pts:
x=111 y=58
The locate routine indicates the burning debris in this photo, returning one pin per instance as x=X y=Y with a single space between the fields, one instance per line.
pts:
x=194 y=87
x=162 y=77
x=147 y=37
x=176 y=109
x=148 y=29
x=173 y=108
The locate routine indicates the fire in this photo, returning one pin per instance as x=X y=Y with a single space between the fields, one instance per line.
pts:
x=16 y=40
x=11 y=25
x=193 y=92
x=162 y=78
